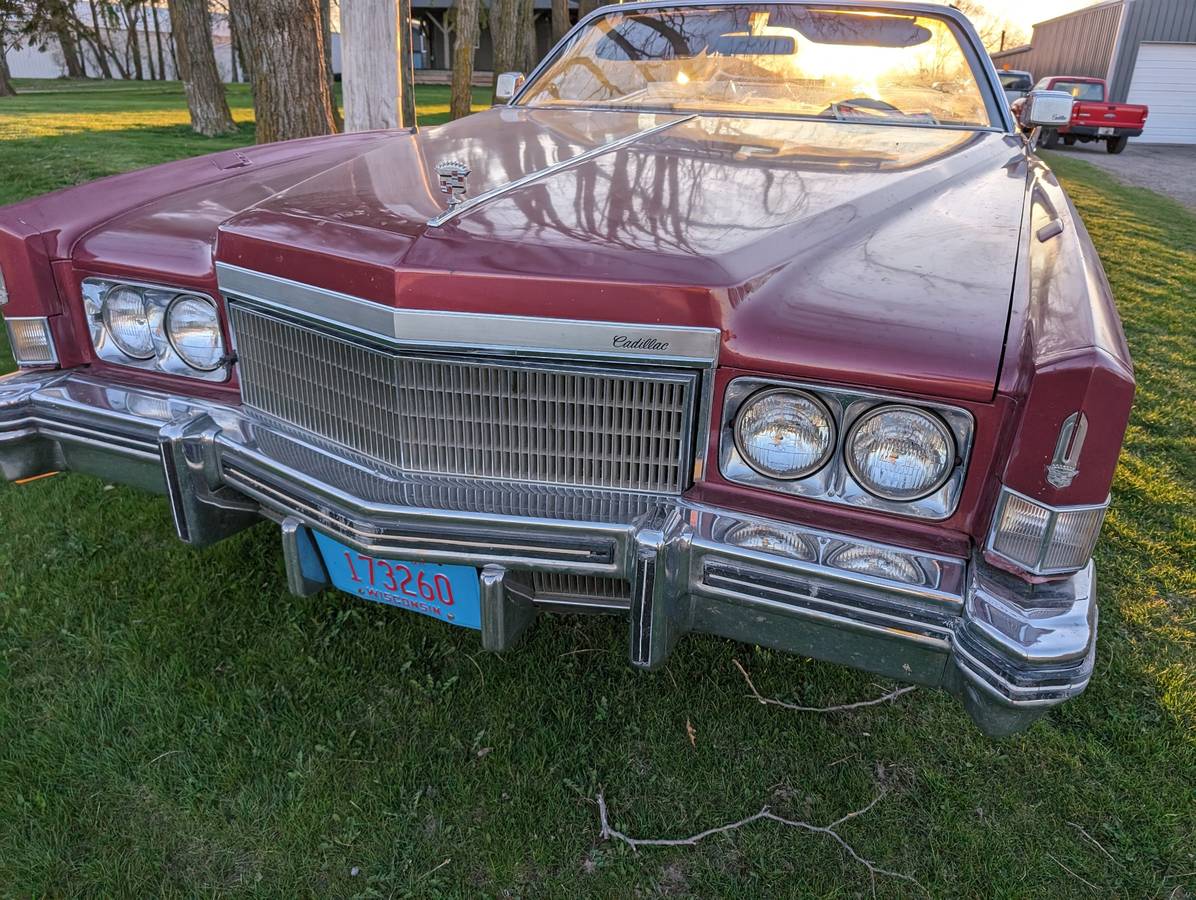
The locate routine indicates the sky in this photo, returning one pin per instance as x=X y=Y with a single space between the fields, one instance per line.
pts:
x=1026 y=12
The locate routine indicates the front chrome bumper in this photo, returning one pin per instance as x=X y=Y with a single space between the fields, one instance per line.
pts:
x=1007 y=649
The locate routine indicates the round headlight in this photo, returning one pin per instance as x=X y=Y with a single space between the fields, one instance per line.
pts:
x=900 y=453
x=193 y=328
x=126 y=317
x=785 y=434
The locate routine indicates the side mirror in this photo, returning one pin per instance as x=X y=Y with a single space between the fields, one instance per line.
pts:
x=505 y=86
x=1045 y=108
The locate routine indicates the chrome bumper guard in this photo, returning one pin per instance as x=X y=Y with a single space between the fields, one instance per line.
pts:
x=1007 y=649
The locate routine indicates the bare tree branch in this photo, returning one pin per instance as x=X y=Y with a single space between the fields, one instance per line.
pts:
x=772 y=701
x=608 y=832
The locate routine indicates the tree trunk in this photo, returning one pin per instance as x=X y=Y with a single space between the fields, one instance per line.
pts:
x=70 y=49
x=371 y=68
x=192 y=29
x=585 y=7
x=290 y=87
x=466 y=33
x=504 y=29
x=326 y=31
x=6 y=88
x=96 y=39
x=158 y=41
x=134 y=42
x=406 y=68
x=173 y=46
x=241 y=27
x=560 y=19
x=149 y=47
x=530 y=53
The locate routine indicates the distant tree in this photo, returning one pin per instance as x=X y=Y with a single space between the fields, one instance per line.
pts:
x=240 y=26
x=11 y=19
x=191 y=25
x=149 y=47
x=6 y=88
x=56 y=19
x=131 y=14
x=465 y=41
x=290 y=87
x=158 y=40
x=994 y=30
x=94 y=37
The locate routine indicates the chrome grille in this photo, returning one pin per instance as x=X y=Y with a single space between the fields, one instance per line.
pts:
x=550 y=586
x=540 y=422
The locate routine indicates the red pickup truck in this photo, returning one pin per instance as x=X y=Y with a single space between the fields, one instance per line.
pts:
x=1093 y=118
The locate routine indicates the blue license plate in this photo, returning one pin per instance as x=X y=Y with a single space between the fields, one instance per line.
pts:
x=448 y=593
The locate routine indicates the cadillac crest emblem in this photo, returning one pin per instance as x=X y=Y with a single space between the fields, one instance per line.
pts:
x=1063 y=468
x=452 y=174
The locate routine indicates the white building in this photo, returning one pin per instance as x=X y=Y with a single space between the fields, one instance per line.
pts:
x=32 y=61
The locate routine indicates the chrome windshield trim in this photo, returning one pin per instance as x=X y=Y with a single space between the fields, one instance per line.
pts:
x=505 y=334
x=494 y=193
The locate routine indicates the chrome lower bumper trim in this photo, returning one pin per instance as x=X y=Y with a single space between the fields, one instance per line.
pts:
x=1008 y=649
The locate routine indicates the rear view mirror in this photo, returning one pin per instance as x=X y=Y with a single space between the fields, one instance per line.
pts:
x=1049 y=109
x=505 y=86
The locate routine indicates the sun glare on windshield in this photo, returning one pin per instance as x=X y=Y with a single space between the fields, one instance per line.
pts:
x=783 y=59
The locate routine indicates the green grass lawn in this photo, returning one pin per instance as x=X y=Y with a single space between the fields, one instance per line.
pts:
x=173 y=722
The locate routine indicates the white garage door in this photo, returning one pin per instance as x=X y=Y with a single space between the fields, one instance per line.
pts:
x=1165 y=80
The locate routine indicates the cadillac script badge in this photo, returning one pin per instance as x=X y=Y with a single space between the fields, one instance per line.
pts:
x=452 y=176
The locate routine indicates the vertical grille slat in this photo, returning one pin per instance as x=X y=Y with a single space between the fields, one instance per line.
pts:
x=537 y=421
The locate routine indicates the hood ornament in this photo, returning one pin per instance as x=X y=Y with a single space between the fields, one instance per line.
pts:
x=452 y=174
x=1063 y=469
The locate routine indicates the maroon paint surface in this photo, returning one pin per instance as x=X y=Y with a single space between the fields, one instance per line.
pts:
x=893 y=257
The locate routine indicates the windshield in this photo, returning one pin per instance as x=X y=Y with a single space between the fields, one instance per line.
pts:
x=1015 y=81
x=782 y=59
x=1081 y=90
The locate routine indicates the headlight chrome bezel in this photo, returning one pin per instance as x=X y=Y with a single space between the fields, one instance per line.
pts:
x=818 y=404
x=834 y=482
x=158 y=298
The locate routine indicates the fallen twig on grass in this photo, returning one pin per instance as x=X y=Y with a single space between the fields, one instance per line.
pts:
x=610 y=833
x=1073 y=874
x=1094 y=842
x=772 y=701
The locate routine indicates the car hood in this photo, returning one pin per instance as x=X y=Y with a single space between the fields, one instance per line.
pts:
x=880 y=255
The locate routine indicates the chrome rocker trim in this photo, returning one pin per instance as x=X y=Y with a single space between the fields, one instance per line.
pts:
x=1007 y=649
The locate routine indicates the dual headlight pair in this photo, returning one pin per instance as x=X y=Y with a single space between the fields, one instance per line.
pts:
x=895 y=452
x=154 y=327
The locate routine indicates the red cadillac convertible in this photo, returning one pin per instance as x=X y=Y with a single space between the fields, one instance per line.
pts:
x=758 y=319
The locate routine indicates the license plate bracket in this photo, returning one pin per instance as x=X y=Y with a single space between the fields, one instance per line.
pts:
x=445 y=592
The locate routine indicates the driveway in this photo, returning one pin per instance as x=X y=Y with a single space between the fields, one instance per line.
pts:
x=1165 y=168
